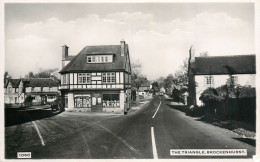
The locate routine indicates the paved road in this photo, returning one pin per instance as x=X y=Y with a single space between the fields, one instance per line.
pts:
x=105 y=136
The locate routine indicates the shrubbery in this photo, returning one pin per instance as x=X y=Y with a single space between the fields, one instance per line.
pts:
x=229 y=102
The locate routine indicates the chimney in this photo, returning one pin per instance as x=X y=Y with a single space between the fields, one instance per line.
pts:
x=192 y=53
x=65 y=53
x=122 y=42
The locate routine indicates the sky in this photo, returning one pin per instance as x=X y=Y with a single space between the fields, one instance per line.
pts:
x=159 y=35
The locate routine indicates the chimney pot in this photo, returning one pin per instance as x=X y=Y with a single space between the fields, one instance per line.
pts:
x=192 y=53
x=65 y=54
x=122 y=42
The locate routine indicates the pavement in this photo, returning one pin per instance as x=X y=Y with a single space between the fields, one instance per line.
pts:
x=147 y=132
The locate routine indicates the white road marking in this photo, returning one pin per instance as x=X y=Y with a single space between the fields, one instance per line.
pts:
x=157 y=110
x=39 y=133
x=155 y=155
x=86 y=143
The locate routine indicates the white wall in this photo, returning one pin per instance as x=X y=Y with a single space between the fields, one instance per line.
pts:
x=219 y=80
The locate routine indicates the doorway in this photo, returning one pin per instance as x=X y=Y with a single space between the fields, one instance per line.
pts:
x=96 y=102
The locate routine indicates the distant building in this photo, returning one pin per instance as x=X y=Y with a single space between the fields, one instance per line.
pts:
x=13 y=91
x=144 y=90
x=215 y=71
x=97 y=79
x=42 y=91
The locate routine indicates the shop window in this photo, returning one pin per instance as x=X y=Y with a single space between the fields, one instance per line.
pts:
x=82 y=101
x=111 y=100
x=51 y=97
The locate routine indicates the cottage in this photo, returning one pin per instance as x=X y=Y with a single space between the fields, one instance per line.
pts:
x=13 y=91
x=215 y=71
x=98 y=78
x=42 y=90
x=144 y=90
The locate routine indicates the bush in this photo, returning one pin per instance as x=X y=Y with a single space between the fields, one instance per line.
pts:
x=210 y=96
x=227 y=102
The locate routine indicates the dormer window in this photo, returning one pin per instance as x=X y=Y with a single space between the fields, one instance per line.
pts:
x=100 y=59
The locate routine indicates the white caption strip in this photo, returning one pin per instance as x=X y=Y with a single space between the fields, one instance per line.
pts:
x=39 y=133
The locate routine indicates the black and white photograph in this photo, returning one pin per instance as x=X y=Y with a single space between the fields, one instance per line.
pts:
x=129 y=80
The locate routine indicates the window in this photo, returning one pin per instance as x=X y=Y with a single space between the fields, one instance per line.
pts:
x=10 y=89
x=64 y=79
x=15 y=99
x=111 y=100
x=100 y=59
x=108 y=77
x=82 y=101
x=89 y=58
x=234 y=80
x=32 y=89
x=84 y=78
x=41 y=89
x=93 y=59
x=50 y=89
x=16 y=90
x=209 y=80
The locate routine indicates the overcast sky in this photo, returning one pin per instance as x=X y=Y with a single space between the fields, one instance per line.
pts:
x=158 y=34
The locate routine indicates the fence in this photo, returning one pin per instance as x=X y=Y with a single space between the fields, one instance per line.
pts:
x=240 y=109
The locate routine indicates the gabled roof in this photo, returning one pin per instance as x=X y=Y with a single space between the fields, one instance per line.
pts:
x=14 y=82
x=40 y=82
x=79 y=62
x=217 y=65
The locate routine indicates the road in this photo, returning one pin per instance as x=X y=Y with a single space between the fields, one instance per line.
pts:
x=147 y=133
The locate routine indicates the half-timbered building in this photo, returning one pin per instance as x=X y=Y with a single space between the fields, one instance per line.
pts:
x=98 y=78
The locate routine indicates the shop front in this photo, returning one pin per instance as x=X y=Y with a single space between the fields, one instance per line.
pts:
x=108 y=101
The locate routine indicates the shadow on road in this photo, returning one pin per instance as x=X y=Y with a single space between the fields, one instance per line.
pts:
x=249 y=141
x=168 y=99
x=15 y=116
x=182 y=108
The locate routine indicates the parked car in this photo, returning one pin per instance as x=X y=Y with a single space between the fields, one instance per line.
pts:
x=56 y=105
x=161 y=93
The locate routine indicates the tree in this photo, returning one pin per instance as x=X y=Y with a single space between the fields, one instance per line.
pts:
x=138 y=81
x=44 y=74
x=204 y=54
x=6 y=75
x=137 y=78
x=155 y=87
x=160 y=82
x=181 y=76
x=168 y=81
